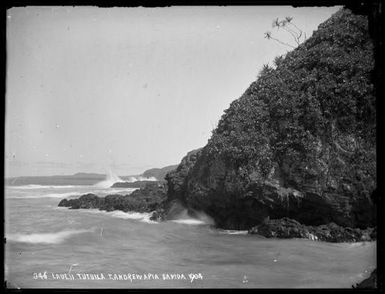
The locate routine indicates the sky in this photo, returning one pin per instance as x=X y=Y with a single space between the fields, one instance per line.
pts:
x=93 y=89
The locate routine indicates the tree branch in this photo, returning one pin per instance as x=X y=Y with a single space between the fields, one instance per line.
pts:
x=283 y=43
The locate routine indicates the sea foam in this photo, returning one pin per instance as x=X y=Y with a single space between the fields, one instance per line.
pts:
x=111 y=178
x=200 y=218
x=140 y=178
x=30 y=187
x=143 y=217
x=189 y=221
x=48 y=195
x=235 y=232
x=45 y=238
x=140 y=216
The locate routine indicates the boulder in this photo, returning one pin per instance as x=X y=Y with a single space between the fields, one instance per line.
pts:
x=368 y=283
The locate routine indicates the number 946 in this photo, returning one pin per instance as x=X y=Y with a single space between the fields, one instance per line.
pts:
x=42 y=276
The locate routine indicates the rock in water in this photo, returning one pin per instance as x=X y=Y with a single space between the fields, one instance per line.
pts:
x=85 y=201
x=136 y=184
x=146 y=199
x=289 y=228
x=369 y=283
x=299 y=143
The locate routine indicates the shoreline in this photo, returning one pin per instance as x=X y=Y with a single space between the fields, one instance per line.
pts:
x=284 y=228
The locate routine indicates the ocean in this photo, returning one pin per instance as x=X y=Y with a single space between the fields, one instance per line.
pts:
x=53 y=247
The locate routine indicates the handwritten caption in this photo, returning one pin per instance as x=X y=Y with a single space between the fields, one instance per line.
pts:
x=118 y=276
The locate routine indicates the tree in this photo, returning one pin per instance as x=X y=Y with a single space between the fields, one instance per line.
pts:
x=287 y=25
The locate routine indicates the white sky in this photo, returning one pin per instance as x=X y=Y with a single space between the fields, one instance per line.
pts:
x=129 y=88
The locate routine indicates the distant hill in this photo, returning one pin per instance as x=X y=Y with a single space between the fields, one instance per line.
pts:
x=57 y=180
x=82 y=178
x=159 y=173
x=88 y=175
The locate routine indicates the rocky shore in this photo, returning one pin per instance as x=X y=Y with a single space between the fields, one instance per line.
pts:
x=369 y=283
x=153 y=198
x=289 y=228
x=146 y=199
x=136 y=184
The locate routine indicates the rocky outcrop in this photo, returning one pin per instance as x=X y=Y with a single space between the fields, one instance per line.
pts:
x=136 y=184
x=369 y=283
x=299 y=143
x=176 y=184
x=85 y=201
x=169 y=210
x=289 y=228
x=177 y=179
x=146 y=199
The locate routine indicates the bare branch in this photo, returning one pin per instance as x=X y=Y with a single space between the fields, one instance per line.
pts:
x=293 y=24
x=283 y=43
x=289 y=27
x=295 y=37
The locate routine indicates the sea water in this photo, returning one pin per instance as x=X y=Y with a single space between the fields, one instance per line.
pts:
x=53 y=247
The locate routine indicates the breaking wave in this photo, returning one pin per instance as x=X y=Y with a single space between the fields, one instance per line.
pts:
x=45 y=238
x=140 y=216
x=190 y=221
x=29 y=187
x=111 y=179
x=49 y=195
x=235 y=232
x=140 y=178
x=199 y=218
x=143 y=217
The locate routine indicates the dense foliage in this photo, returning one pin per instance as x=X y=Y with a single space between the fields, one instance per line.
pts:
x=307 y=124
x=317 y=92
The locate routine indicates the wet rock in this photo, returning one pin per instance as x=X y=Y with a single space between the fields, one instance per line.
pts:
x=289 y=228
x=168 y=210
x=368 y=283
x=85 y=201
x=146 y=199
x=136 y=184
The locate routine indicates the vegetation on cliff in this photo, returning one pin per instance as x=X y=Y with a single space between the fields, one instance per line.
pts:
x=299 y=143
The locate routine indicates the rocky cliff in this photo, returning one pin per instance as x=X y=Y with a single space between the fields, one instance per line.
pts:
x=299 y=143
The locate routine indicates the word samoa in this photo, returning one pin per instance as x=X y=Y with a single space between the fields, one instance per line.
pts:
x=117 y=277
